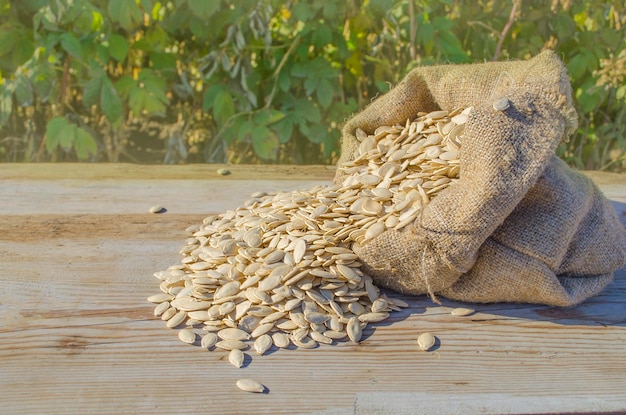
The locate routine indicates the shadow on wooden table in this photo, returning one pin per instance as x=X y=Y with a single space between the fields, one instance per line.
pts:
x=606 y=309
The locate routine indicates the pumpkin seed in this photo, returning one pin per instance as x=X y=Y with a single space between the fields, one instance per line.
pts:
x=461 y=311
x=250 y=385
x=425 y=341
x=236 y=357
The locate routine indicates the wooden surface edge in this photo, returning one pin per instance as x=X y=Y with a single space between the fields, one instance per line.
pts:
x=102 y=171
x=112 y=171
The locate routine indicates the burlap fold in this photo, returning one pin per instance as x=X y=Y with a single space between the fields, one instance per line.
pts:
x=519 y=225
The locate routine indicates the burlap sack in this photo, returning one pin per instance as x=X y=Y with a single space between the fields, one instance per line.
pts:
x=519 y=225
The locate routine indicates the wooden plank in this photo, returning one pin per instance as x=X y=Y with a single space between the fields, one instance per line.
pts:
x=79 y=337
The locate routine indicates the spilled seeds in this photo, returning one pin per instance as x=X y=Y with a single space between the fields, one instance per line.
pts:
x=280 y=270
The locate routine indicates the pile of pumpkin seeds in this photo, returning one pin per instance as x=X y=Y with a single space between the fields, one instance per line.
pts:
x=280 y=270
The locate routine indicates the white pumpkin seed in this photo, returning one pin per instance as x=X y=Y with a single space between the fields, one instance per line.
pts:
x=208 y=340
x=425 y=341
x=263 y=343
x=231 y=344
x=187 y=335
x=250 y=385
x=233 y=334
x=461 y=311
x=236 y=357
x=354 y=330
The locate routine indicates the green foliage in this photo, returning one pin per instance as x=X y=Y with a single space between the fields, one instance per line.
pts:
x=60 y=133
x=252 y=81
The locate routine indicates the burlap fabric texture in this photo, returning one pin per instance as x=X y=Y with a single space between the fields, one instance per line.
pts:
x=519 y=225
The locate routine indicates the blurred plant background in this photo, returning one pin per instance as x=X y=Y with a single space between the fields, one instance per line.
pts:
x=272 y=81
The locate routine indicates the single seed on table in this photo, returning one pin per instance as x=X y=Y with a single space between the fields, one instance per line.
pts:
x=250 y=385
x=262 y=344
x=157 y=209
x=187 y=336
x=425 y=341
x=223 y=172
x=236 y=357
x=461 y=311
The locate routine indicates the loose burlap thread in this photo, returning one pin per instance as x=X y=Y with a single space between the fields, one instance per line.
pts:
x=519 y=225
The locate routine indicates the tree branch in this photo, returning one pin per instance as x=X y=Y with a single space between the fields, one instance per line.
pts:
x=506 y=29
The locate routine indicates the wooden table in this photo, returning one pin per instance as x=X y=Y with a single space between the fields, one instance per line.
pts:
x=79 y=248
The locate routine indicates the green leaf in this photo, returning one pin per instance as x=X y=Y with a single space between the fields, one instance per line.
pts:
x=310 y=85
x=125 y=85
x=621 y=92
x=84 y=144
x=199 y=28
x=590 y=99
x=265 y=142
x=110 y=102
x=315 y=133
x=322 y=36
x=426 y=36
x=208 y=100
x=330 y=10
x=577 y=65
x=137 y=100
x=8 y=40
x=305 y=109
x=451 y=47
x=223 y=107
x=118 y=47
x=163 y=60
x=284 y=81
x=103 y=52
x=71 y=45
x=303 y=11
x=268 y=117
x=157 y=38
x=55 y=129
x=325 y=92
x=204 y=8
x=300 y=70
x=67 y=137
x=284 y=129
x=126 y=13
x=91 y=92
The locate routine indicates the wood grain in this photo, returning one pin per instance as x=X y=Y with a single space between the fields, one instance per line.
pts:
x=79 y=247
